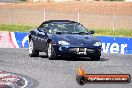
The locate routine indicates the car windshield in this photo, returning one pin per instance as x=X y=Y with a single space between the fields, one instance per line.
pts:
x=73 y=28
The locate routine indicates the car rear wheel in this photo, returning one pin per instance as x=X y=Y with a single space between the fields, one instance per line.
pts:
x=50 y=52
x=31 y=50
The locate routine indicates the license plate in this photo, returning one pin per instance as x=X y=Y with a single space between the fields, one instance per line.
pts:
x=82 y=51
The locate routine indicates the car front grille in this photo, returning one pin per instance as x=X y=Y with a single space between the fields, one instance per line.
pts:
x=73 y=50
x=90 y=50
x=77 y=49
x=84 y=51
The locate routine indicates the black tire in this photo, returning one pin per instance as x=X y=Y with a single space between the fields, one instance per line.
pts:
x=32 y=51
x=80 y=80
x=50 y=52
x=20 y=82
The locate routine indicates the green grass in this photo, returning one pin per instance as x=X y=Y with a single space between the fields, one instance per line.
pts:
x=110 y=32
x=14 y=28
x=98 y=32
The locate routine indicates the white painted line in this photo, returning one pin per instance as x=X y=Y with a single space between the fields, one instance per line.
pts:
x=26 y=83
x=24 y=40
x=3 y=75
x=14 y=39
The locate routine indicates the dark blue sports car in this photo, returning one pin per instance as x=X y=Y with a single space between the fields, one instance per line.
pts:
x=63 y=38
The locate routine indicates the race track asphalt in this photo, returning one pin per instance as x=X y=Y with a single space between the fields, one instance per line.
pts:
x=44 y=73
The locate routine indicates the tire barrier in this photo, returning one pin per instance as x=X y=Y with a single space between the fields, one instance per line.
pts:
x=11 y=80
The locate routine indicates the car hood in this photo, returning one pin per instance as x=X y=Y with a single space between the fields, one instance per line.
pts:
x=74 y=39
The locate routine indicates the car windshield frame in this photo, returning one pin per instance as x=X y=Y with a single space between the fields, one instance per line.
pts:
x=68 y=28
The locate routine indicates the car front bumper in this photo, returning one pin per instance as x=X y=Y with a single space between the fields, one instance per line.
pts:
x=77 y=50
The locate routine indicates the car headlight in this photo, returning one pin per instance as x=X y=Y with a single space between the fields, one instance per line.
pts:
x=63 y=42
x=97 y=44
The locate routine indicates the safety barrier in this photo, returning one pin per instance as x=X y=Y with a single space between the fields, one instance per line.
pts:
x=109 y=44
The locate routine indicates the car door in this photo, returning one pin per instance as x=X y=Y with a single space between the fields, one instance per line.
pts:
x=35 y=38
x=42 y=39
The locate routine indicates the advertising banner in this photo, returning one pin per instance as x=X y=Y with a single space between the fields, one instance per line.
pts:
x=109 y=44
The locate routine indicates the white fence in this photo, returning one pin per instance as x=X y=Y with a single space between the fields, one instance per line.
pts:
x=90 y=20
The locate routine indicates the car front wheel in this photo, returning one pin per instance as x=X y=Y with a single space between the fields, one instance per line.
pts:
x=31 y=50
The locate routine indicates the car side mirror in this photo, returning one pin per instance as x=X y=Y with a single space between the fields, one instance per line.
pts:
x=42 y=31
x=45 y=32
x=91 y=32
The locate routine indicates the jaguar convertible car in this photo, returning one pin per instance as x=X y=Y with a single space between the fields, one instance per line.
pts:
x=63 y=38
